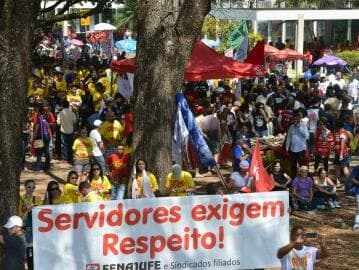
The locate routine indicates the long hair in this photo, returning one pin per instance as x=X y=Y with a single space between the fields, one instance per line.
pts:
x=91 y=174
x=144 y=161
x=70 y=174
x=49 y=195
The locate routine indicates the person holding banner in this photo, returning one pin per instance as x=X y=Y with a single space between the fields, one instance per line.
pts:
x=179 y=181
x=89 y=195
x=144 y=184
x=53 y=193
x=296 y=255
x=70 y=188
x=99 y=182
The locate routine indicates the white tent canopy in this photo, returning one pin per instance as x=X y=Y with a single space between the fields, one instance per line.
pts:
x=104 y=27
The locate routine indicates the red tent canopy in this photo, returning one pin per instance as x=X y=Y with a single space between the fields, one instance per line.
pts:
x=256 y=55
x=205 y=63
x=269 y=50
x=288 y=54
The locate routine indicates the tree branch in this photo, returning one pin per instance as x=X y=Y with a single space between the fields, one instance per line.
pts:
x=77 y=15
x=50 y=8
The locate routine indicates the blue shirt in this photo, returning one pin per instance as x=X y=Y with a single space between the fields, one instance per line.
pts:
x=297 y=138
x=237 y=154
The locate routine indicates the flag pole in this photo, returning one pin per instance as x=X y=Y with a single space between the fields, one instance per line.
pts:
x=221 y=178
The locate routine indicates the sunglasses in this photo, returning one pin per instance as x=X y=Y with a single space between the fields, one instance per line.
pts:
x=53 y=189
x=74 y=177
x=30 y=187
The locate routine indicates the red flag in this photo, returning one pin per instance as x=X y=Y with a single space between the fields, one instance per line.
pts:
x=256 y=55
x=263 y=181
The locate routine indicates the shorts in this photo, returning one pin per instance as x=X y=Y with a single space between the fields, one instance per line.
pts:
x=345 y=162
x=79 y=164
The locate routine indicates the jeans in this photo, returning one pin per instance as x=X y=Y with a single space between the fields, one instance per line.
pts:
x=43 y=151
x=101 y=161
x=118 y=191
x=296 y=157
x=66 y=142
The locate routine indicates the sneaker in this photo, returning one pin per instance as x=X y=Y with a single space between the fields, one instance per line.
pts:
x=336 y=204
x=331 y=204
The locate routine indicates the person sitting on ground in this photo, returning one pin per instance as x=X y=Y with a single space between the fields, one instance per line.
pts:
x=88 y=195
x=53 y=193
x=179 y=182
x=302 y=193
x=99 y=182
x=325 y=190
x=241 y=181
x=144 y=183
x=71 y=194
x=281 y=179
x=14 y=243
x=296 y=255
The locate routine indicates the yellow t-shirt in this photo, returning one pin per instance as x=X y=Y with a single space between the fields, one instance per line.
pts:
x=111 y=132
x=61 y=87
x=82 y=148
x=58 y=200
x=25 y=202
x=96 y=98
x=106 y=84
x=103 y=185
x=93 y=196
x=180 y=185
x=71 y=193
x=151 y=179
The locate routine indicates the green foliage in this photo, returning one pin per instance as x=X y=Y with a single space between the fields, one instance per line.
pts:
x=126 y=17
x=254 y=38
x=213 y=28
x=351 y=57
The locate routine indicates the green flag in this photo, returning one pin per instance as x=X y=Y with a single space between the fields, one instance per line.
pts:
x=238 y=35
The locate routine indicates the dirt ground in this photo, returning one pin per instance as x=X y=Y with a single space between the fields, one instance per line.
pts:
x=335 y=225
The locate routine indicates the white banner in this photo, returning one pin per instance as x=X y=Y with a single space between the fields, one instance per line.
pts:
x=237 y=231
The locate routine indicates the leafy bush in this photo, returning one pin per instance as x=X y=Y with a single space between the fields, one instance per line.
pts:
x=351 y=57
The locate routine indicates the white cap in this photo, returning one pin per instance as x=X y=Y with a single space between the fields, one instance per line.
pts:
x=97 y=123
x=13 y=221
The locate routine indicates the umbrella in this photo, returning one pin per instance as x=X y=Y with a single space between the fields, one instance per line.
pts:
x=76 y=42
x=104 y=27
x=211 y=43
x=330 y=60
x=127 y=45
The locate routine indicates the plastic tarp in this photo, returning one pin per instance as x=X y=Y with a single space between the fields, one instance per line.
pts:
x=204 y=64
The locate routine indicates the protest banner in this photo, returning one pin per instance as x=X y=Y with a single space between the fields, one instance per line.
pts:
x=238 y=231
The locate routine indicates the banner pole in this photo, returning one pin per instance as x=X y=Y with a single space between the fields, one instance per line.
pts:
x=221 y=178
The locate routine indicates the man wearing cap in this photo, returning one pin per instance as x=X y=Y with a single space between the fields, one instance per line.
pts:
x=241 y=181
x=179 y=181
x=97 y=151
x=15 y=244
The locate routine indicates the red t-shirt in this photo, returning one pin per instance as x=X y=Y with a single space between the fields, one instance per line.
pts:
x=341 y=135
x=324 y=142
x=118 y=165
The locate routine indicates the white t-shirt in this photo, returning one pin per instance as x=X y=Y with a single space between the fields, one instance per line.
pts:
x=96 y=136
x=313 y=116
x=303 y=259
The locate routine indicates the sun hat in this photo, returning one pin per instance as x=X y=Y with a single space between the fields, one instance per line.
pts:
x=13 y=221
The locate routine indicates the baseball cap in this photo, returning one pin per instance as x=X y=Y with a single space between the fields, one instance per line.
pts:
x=13 y=221
x=97 y=123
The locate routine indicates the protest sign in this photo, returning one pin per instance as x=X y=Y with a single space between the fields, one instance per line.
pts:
x=238 y=231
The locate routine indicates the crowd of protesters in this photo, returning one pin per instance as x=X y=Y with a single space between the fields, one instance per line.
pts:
x=76 y=114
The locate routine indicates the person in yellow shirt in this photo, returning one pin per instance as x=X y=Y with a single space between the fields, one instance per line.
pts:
x=60 y=84
x=28 y=200
x=104 y=80
x=88 y=195
x=71 y=193
x=74 y=98
x=82 y=149
x=53 y=193
x=97 y=96
x=100 y=182
x=111 y=132
x=179 y=182
x=143 y=184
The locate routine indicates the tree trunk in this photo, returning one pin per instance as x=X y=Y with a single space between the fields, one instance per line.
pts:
x=165 y=41
x=16 y=21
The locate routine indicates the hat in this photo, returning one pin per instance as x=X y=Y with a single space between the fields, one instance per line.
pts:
x=176 y=171
x=97 y=123
x=244 y=164
x=13 y=221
